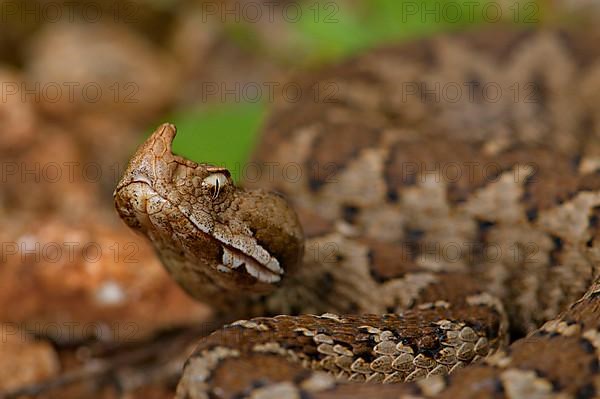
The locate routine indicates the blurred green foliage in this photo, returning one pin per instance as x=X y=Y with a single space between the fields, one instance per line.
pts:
x=221 y=135
x=335 y=31
x=224 y=133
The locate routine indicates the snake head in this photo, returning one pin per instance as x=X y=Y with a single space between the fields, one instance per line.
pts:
x=213 y=237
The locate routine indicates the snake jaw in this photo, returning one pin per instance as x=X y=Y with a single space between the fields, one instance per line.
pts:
x=213 y=232
x=268 y=273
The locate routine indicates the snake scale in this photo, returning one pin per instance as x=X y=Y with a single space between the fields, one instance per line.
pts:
x=398 y=232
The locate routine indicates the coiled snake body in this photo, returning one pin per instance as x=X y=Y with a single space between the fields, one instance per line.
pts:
x=442 y=198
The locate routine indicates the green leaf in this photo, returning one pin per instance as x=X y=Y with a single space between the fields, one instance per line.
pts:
x=221 y=135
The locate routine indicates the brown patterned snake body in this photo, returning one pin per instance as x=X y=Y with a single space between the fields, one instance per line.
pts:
x=422 y=224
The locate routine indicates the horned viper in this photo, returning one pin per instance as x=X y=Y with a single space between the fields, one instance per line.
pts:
x=414 y=210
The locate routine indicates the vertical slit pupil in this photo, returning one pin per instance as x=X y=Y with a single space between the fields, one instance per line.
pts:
x=216 y=189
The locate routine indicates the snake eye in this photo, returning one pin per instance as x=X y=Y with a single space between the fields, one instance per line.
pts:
x=215 y=182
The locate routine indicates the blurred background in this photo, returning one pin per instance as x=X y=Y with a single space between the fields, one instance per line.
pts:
x=85 y=307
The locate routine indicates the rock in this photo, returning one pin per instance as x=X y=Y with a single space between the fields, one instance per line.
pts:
x=23 y=359
x=99 y=68
x=17 y=115
x=92 y=278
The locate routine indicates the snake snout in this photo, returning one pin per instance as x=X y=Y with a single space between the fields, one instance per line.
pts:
x=131 y=202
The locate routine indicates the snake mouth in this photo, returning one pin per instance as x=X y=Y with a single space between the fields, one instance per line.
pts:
x=233 y=259
x=240 y=251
